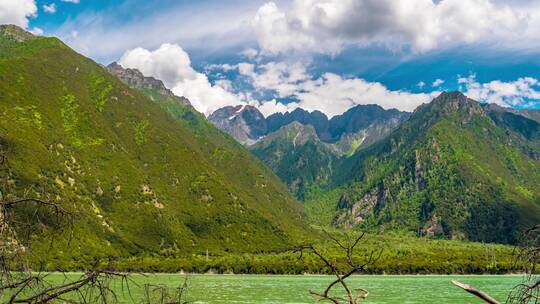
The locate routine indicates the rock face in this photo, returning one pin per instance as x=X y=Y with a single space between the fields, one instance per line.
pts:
x=136 y=80
x=362 y=117
x=245 y=123
x=15 y=33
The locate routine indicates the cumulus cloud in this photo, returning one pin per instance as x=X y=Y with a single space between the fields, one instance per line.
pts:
x=17 y=12
x=37 y=31
x=333 y=95
x=281 y=77
x=171 y=64
x=330 y=93
x=71 y=1
x=250 y=53
x=523 y=92
x=268 y=108
x=329 y=25
x=437 y=83
x=49 y=8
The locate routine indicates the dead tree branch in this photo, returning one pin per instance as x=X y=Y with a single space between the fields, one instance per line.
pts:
x=162 y=294
x=528 y=256
x=482 y=295
x=353 y=296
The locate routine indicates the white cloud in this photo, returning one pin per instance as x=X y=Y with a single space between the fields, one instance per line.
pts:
x=327 y=26
x=49 y=8
x=329 y=93
x=171 y=64
x=37 y=31
x=17 y=12
x=268 y=108
x=421 y=84
x=205 y=26
x=222 y=67
x=250 y=53
x=71 y=1
x=333 y=95
x=281 y=77
x=437 y=83
x=521 y=92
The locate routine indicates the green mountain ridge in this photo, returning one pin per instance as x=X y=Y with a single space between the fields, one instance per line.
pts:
x=298 y=157
x=456 y=169
x=140 y=180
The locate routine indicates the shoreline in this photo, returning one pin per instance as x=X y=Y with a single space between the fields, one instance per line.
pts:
x=295 y=275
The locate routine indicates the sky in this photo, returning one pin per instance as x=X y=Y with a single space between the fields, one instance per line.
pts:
x=326 y=55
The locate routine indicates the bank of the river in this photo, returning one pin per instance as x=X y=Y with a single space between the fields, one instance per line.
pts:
x=401 y=254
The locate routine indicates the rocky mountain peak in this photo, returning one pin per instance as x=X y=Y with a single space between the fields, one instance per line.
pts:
x=15 y=33
x=362 y=117
x=135 y=79
x=449 y=102
x=244 y=122
x=251 y=112
x=299 y=134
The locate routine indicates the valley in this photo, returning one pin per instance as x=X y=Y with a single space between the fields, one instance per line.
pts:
x=104 y=167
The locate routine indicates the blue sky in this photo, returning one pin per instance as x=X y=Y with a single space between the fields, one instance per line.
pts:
x=323 y=55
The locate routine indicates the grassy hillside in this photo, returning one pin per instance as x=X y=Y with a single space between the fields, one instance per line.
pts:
x=455 y=169
x=137 y=179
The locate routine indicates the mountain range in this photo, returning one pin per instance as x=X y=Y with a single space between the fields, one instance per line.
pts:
x=455 y=168
x=301 y=146
x=146 y=173
x=359 y=126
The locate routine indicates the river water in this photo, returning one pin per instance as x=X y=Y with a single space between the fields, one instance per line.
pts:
x=266 y=289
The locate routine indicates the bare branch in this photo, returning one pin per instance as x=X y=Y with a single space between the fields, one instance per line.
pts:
x=353 y=295
x=475 y=292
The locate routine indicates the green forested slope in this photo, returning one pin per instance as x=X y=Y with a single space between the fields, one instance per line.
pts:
x=136 y=179
x=298 y=156
x=455 y=169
